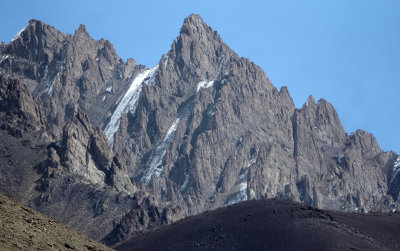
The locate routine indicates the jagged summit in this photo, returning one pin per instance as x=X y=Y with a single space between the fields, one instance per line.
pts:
x=202 y=129
x=82 y=28
x=195 y=24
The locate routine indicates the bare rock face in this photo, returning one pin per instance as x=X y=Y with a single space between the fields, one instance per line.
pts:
x=209 y=129
x=80 y=173
x=134 y=148
x=83 y=175
x=66 y=71
x=24 y=136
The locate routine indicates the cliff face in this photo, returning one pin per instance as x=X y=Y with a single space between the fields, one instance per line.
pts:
x=77 y=180
x=202 y=129
x=66 y=71
x=210 y=129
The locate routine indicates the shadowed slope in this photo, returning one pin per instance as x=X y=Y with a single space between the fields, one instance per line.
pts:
x=274 y=225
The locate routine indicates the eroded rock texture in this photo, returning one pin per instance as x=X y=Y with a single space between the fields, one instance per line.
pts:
x=131 y=148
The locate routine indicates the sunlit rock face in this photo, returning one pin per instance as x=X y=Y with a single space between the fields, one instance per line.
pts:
x=135 y=147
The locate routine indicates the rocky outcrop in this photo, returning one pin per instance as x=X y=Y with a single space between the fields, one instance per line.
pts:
x=145 y=215
x=24 y=136
x=66 y=71
x=83 y=175
x=78 y=180
x=210 y=129
x=202 y=129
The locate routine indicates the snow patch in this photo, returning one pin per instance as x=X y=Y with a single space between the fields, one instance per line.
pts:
x=251 y=162
x=46 y=71
x=130 y=75
x=397 y=163
x=104 y=98
x=150 y=79
x=165 y=61
x=127 y=103
x=97 y=59
x=49 y=88
x=208 y=84
x=109 y=89
x=241 y=195
x=204 y=84
x=3 y=58
x=158 y=154
x=185 y=183
x=396 y=169
x=18 y=34
x=60 y=67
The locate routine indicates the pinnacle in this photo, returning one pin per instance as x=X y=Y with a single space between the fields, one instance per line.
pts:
x=311 y=99
x=82 y=28
x=192 y=22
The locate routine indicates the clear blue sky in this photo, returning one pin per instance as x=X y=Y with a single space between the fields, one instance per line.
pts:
x=345 y=51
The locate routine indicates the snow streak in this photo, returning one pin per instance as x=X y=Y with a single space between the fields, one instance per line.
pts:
x=18 y=34
x=241 y=195
x=127 y=103
x=60 y=67
x=158 y=154
x=206 y=83
x=3 y=58
x=396 y=169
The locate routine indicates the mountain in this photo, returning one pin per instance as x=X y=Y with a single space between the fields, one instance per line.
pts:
x=131 y=148
x=274 y=224
x=25 y=229
x=79 y=173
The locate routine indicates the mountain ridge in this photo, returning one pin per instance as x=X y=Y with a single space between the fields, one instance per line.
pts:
x=204 y=128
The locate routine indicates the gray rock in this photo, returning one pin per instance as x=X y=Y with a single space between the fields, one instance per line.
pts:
x=202 y=129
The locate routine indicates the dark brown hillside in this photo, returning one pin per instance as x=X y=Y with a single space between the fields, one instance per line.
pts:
x=274 y=224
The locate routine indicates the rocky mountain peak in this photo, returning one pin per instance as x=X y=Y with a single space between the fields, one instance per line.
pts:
x=194 y=24
x=198 y=50
x=310 y=101
x=82 y=29
x=35 y=38
x=202 y=129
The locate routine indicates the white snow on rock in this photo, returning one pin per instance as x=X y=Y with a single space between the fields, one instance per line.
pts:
x=49 y=88
x=46 y=71
x=60 y=67
x=165 y=61
x=241 y=195
x=127 y=103
x=150 y=79
x=109 y=89
x=396 y=169
x=3 y=58
x=158 y=154
x=204 y=84
x=208 y=84
x=18 y=34
x=185 y=183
